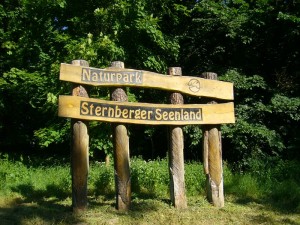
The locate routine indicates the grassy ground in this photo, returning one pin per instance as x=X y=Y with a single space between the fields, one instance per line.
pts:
x=20 y=210
x=40 y=194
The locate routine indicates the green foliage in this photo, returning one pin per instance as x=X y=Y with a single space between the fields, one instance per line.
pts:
x=257 y=119
x=268 y=179
x=150 y=178
x=101 y=138
x=100 y=52
x=23 y=92
x=258 y=38
x=288 y=106
x=51 y=135
x=193 y=142
x=97 y=31
x=242 y=82
x=194 y=179
x=245 y=186
x=240 y=34
x=286 y=195
x=22 y=175
x=21 y=83
x=101 y=179
x=267 y=182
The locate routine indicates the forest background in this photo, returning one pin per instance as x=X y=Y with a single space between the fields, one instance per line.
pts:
x=254 y=44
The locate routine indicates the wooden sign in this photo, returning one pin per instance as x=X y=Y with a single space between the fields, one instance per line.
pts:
x=127 y=77
x=145 y=113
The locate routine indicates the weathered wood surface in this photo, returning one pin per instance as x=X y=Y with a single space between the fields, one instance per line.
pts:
x=79 y=153
x=176 y=155
x=212 y=159
x=145 y=113
x=112 y=76
x=121 y=153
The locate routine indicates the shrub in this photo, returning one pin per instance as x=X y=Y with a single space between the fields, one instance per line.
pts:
x=150 y=177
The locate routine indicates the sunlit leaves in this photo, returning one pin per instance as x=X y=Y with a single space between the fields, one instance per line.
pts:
x=253 y=44
x=287 y=107
x=242 y=82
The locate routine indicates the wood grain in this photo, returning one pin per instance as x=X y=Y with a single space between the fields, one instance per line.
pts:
x=212 y=158
x=176 y=156
x=121 y=153
x=79 y=152
x=153 y=114
x=190 y=85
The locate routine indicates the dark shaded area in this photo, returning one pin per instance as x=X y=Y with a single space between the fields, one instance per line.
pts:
x=34 y=205
x=148 y=142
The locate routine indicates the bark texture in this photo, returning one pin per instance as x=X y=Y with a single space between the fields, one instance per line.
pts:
x=121 y=153
x=79 y=152
x=176 y=156
x=212 y=158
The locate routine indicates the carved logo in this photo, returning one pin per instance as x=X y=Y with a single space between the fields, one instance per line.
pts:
x=194 y=85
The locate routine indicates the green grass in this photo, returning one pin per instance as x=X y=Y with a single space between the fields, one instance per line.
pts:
x=40 y=193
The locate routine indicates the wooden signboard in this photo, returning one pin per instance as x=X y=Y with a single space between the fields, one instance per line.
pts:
x=127 y=77
x=145 y=113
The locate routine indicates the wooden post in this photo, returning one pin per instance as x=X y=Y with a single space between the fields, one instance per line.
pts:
x=212 y=158
x=121 y=153
x=176 y=158
x=79 y=152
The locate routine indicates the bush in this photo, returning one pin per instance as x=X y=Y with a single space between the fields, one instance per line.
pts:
x=151 y=178
x=101 y=177
x=194 y=179
x=272 y=182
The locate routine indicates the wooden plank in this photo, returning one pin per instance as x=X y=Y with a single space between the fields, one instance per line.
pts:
x=145 y=113
x=128 y=77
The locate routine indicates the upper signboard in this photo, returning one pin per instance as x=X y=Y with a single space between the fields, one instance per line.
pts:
x=128 y=77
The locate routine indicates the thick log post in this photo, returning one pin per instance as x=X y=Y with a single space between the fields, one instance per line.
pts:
x=212 y=158
x=79 y=152
x=176 y=158
x=121 y=153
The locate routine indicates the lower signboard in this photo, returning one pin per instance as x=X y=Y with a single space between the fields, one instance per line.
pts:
x=145 y=113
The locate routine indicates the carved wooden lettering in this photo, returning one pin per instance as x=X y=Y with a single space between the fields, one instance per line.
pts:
x=144 y=113
x=137 y=78
x=106 y=110
x=98 y=76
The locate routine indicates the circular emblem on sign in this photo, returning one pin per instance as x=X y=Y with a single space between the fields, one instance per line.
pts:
x=194 y=85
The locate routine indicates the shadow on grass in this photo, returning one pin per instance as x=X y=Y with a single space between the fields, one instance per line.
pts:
x=52 y=206
x=265 y=219
x=282 y=204
x=38 y=206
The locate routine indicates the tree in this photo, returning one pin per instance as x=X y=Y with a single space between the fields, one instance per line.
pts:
x=238 y=39
x=38 y=35
x=251 y=43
